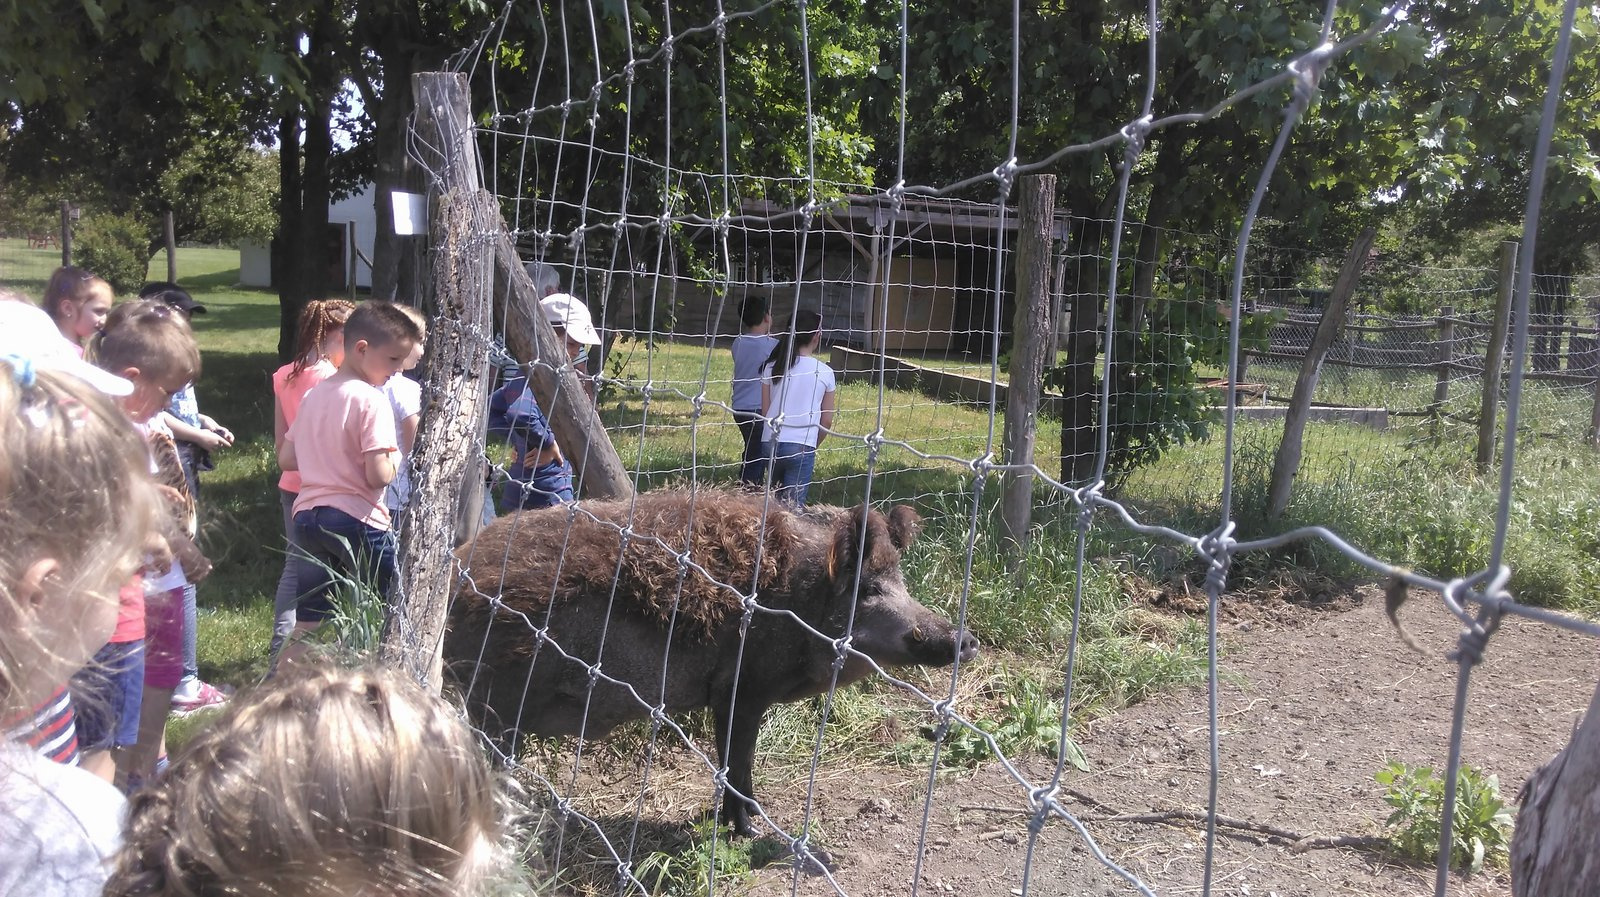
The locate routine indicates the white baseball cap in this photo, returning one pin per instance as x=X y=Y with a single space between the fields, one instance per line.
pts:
x=568 y=311
x=29 y=338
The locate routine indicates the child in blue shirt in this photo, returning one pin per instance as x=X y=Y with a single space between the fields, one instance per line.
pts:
x=540 y=474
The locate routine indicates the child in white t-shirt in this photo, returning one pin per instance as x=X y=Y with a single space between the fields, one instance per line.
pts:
x=405 y=397
x=797 y=400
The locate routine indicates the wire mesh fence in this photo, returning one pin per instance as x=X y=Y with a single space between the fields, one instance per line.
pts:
x=672 y=591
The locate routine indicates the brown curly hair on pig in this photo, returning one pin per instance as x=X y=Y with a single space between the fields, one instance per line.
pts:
x=528 y=558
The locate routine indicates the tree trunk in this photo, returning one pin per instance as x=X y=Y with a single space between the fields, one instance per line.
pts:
x=290 y=301
x=1556 y=849
x=303 y=272
x=399 y=264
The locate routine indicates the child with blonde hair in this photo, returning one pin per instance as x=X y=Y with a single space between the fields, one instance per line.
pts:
x=77 y=509
x=78 y=301
x=149 y=344
x=318 y=352
x=321 y=783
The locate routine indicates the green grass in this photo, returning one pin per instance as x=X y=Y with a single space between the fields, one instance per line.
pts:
x=27 y=269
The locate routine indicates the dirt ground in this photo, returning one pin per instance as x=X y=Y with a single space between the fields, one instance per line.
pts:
x=1313 y=704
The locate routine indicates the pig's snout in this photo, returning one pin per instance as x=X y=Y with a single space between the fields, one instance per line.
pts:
x=941 y=644
x=967 y=646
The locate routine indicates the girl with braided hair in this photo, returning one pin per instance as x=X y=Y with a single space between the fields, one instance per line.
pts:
x=323 y=782
x=318 y=352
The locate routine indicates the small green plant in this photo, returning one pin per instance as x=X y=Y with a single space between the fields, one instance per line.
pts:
x=354 y=628
x=1481 y=828
x=688 y=872
x=1028 y=721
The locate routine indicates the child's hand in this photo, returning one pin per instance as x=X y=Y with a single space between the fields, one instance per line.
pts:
x=212 y=441
x=223 y=433
x=196 y=566
x=158 y=554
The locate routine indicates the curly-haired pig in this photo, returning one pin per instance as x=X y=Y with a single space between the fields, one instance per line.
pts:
x=632 y=612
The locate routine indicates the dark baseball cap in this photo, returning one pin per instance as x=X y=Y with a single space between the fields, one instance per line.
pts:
x=173 y=295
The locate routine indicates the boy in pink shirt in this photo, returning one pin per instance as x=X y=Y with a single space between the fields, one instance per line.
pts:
x=344 y=445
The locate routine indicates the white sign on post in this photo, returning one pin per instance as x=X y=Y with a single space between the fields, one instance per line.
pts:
x=410 y=213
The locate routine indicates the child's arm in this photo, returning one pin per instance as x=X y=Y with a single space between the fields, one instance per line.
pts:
x=280 y=425
x=184 y=433
x=379 y=467
x=286 y=457
x=825 y=422
x=766 y=398
x=210 y=424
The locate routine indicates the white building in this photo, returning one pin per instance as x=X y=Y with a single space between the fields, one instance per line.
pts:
x=255 y=259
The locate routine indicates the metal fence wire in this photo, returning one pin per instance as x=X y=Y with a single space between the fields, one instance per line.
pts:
x=665 y=380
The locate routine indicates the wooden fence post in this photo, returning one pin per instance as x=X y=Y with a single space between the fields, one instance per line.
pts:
x=1594 y=415
x=1287 y=462
x=1444 y=356
x=66 y=233
x=1489 y=403
x=169 y=236
x=1030 y=339
x=597 y=469
x=1558 y=819
x=458 y=380
x=350 y=259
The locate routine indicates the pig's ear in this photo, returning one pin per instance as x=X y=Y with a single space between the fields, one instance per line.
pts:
x=905 y=524
x=846 y=547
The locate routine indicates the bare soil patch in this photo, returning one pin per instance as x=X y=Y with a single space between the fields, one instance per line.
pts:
x=1313 y=703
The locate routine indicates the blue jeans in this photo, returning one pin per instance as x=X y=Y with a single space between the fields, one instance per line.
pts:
x=792 y=464
x=331 y=542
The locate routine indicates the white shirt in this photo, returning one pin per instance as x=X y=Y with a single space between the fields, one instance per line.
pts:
x=796 y=408
x=59 y=827
x=405 y=396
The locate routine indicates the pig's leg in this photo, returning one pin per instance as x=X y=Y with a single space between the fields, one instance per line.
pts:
x=739 y=758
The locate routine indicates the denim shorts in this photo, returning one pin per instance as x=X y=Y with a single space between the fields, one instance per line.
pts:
x=334 y=545
x=107 y=695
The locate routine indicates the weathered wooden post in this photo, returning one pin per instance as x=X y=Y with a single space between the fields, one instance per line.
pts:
x=350 y=258
x=66 y=233
x=1594 y=414
x=169 y=236
x=1558 y=822
x=597 y=469
x=1030 y=341
x=458 y=378
x=1494 y=357
x=1444 y=357
x=1287 y=462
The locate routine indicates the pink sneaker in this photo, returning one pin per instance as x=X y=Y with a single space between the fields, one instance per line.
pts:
x=193 y=694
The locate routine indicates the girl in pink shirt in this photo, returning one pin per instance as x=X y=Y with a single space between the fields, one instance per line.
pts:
x=319 y=350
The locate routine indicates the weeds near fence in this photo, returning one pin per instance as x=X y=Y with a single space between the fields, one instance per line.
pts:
x=1481 y=831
